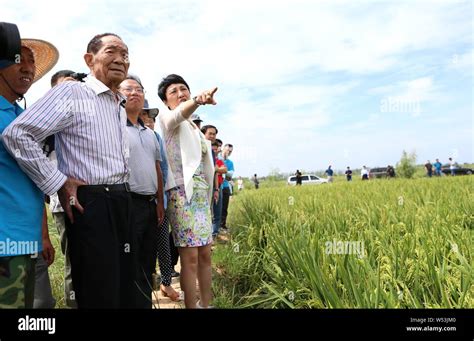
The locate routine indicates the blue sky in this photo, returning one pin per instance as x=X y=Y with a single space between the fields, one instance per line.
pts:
x=302 y=84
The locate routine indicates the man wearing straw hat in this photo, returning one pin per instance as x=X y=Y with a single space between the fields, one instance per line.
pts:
x=22 y=62
x=91 y=177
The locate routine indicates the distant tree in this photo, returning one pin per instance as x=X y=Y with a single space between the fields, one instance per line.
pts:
x=406 y=167
x=275 y=175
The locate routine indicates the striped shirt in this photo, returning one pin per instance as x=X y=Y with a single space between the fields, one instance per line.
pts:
x=90 y=132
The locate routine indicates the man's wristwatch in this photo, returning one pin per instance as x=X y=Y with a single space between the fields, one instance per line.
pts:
x=216 y=189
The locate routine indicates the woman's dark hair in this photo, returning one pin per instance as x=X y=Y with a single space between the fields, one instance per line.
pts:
x=167 y=81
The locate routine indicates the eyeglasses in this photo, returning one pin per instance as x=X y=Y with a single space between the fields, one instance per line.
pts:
x=130 y=90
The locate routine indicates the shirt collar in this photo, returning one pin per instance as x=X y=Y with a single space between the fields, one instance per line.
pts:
x=98 y=86
x=140 y=122
x=5 y=105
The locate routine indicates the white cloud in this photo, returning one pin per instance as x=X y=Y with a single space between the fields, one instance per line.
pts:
x=407 y=96
x=462 y=61
x=282 y=67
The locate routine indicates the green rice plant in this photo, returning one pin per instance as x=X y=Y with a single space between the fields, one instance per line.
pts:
x=415 y=235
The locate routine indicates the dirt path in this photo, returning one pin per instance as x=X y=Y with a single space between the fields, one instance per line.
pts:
x=162 y=302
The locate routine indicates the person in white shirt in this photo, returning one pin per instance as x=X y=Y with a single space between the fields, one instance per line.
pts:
x=452 y=166
x=240 y=183
x=364 y=173
x=190 y=186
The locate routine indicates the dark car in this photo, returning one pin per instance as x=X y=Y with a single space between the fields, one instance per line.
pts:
x=457 y=171
x=379 y=172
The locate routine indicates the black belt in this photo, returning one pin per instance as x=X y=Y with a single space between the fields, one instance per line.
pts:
x=147 y=197
x=125 y=187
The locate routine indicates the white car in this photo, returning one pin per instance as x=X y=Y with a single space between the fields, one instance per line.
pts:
x=307 y=180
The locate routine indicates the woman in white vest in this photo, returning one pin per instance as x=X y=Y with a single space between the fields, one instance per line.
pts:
x=189 y=183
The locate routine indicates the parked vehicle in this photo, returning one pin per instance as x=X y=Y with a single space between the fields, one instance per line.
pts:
x=307 y=180
x=457 y=171
x=377 y=173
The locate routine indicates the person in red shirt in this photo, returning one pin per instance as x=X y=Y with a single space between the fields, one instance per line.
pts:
x=219 y=179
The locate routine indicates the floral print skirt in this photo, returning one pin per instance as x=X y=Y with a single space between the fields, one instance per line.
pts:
x=191 y=223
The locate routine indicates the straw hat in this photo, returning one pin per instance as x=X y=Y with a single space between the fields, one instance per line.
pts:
x=46 y=55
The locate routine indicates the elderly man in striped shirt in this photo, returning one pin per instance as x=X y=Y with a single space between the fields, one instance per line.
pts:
x=91 y=178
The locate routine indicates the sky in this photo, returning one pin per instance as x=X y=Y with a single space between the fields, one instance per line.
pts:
x=303 y=84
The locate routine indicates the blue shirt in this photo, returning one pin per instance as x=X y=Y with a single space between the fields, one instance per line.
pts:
x=437 y=166
x=230 y=172
x=163 y=165
x=329 y=172
x=21 y=201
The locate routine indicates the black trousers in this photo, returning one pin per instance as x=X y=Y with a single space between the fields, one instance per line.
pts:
x=225 y=205
x=145 y=227
x=101 y=246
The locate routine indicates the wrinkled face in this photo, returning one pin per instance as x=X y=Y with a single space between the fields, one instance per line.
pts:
x=110 y=64
x=133 y=91
x=18 y=76
x=211 y=134
x=176 y=94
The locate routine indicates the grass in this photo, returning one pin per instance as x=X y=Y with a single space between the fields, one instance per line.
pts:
x=416 y=235
x=56 y=270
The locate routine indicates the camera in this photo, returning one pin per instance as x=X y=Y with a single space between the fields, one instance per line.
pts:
x=78 y=76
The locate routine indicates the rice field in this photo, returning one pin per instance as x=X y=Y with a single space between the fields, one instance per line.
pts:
x=378 y=244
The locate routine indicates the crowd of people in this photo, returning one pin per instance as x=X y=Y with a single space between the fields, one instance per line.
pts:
x=115 y=186
x=430 y=169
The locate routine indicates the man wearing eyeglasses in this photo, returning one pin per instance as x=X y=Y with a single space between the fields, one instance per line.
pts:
x=146 y=185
